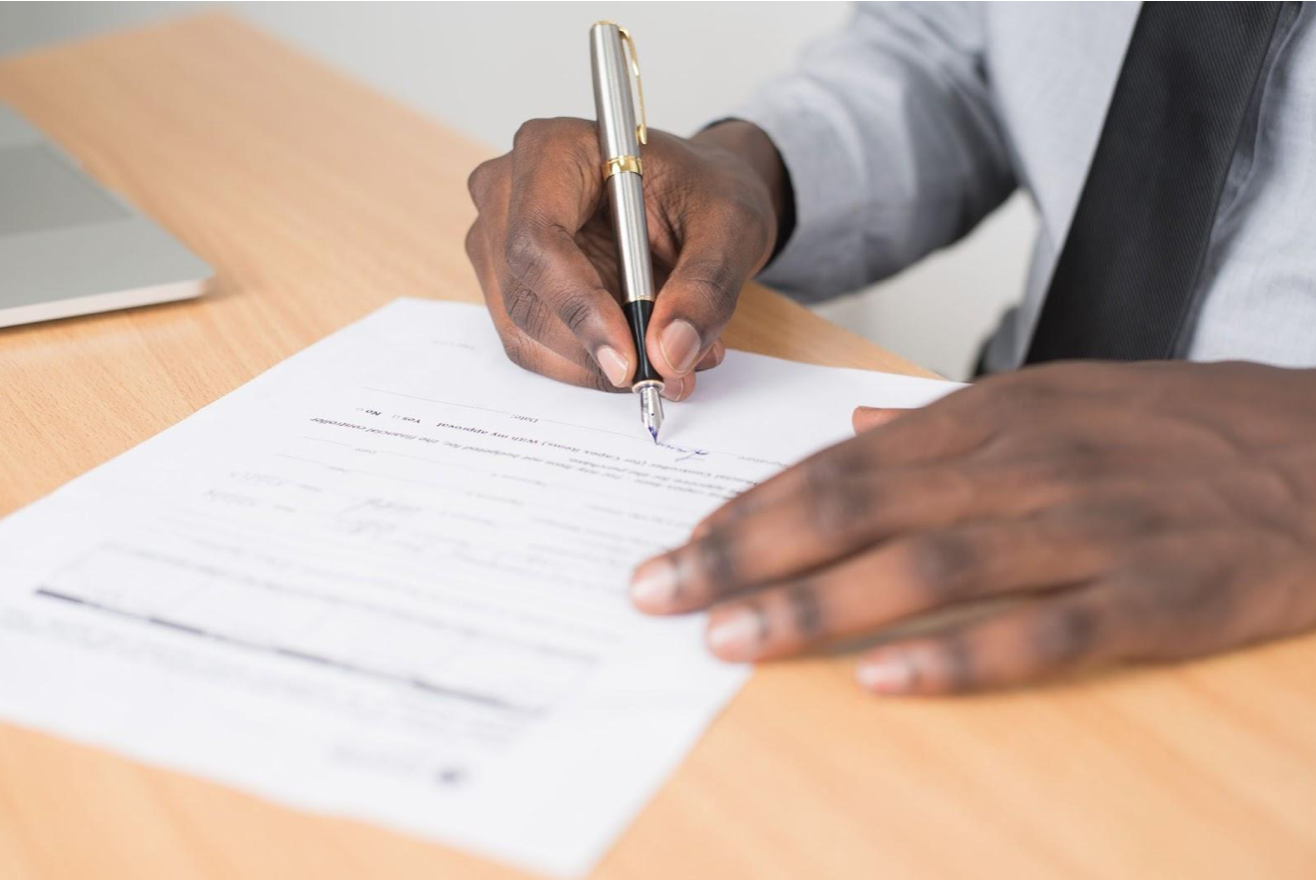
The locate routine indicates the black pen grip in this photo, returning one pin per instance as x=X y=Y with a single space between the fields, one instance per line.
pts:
x=637 y=314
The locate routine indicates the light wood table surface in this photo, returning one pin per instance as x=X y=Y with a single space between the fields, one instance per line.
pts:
x=318 y=200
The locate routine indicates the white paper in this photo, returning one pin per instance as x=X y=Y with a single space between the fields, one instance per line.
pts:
x=387 y=580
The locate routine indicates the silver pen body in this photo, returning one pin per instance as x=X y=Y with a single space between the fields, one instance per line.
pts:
x=617 y=141
x=619 y=146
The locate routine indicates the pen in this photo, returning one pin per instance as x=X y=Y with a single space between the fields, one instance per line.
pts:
x=619 y=143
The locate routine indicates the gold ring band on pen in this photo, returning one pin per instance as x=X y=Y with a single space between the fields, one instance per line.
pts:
x=623 y=163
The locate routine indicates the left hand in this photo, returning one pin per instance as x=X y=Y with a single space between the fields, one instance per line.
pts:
x=1141 y=511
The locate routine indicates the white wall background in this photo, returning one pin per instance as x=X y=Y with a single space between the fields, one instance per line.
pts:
x=483 y=68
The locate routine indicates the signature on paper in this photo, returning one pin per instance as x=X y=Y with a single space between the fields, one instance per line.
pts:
x=685 y=453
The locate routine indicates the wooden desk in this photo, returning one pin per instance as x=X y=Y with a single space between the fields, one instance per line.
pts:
x=318 y=200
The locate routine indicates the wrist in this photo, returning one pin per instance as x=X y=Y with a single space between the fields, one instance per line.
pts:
x=751 y=144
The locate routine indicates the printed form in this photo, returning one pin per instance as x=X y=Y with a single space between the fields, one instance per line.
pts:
x=387 y=580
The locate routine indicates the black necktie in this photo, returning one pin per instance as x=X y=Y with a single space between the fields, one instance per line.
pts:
x=1123 y=286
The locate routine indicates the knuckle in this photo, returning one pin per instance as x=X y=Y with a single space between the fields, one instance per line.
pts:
x=1192 y=597
x=1015 y=394
x=558 y=143
x=824 y=470
x=714 y=559
x=1111 y=515
x=581 y=137
x=710 y=283
x=806 y=611
x=1068 y=475
x=523 y=252
x=733 y=511
x=525 y=310
x=1172 y=614
x=1065 y=634
x=575 y=310
x=480 y=180
x=746 y=218
x=1076 y=459
x=567 y=130
x=945 y=564
x=1076 y=471
x=473 y=241
x=531 y=132
x=701 y=296
x=839 y=498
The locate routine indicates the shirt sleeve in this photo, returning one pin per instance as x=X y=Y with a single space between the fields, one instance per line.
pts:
x=889 y=134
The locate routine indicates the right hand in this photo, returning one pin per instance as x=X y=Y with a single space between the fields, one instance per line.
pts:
x=544 y=251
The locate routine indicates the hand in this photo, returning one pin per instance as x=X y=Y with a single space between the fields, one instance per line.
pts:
x=544 y=252
x=1139 y=512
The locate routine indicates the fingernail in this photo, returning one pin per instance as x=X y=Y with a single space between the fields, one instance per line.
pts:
x=654 y=585
x=735 y=636
x=614 y=366
x=672 y=390
x=869 y=417
x=680 y=345
x=891 y=674
x=712 y=357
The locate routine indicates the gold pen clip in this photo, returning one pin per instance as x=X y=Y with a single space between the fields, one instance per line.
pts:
x=642 y=129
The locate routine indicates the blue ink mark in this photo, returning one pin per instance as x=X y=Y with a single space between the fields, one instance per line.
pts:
x=685 y=453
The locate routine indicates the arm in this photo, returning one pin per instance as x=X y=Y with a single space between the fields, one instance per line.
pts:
x=891 y=142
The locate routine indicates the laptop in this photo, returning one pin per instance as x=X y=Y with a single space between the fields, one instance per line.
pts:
x=70 y=247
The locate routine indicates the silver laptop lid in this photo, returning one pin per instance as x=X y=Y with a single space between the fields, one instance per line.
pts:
x=68 y=246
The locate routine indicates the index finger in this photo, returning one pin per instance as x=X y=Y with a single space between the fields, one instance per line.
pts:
x=557 y=187
x=919 y=438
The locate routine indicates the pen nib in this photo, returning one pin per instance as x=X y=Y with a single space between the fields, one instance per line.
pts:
x=651 y=410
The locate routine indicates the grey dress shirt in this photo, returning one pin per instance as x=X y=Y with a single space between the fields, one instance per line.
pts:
x=912 y=123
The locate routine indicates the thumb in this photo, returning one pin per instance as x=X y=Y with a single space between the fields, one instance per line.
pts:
x=695 y=305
